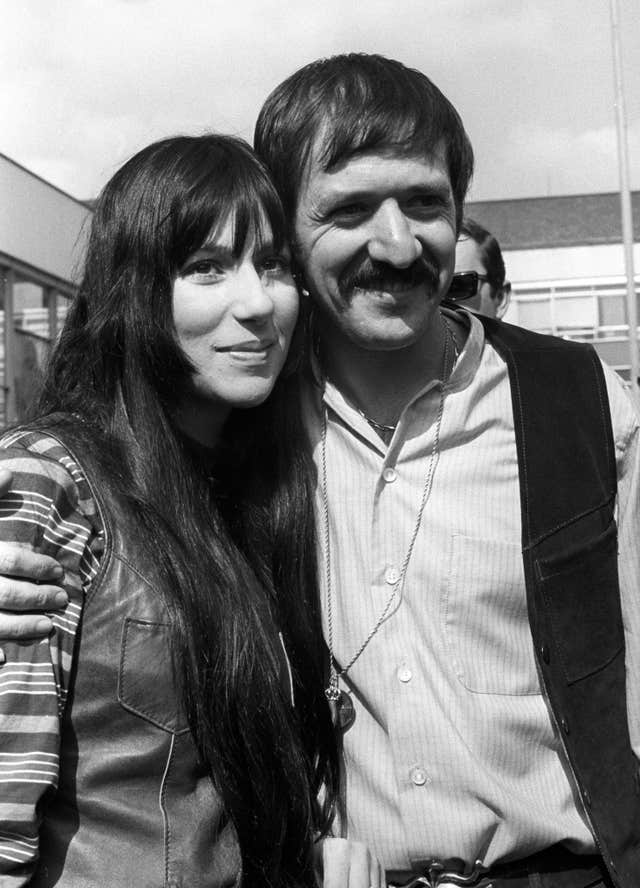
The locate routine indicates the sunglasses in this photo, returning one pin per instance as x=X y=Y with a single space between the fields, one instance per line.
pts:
x=465 y=285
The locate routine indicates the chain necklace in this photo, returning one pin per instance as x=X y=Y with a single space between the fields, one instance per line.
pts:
x=456 y=350
x=378 y=426
x=340 y=701
x=386 y=431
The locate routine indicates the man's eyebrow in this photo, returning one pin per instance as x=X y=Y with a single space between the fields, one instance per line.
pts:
x=332 y=199
x=343 y=195
x=434 y=189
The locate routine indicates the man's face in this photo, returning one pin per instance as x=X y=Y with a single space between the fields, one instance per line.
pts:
x=487 y=300
x=376 y=238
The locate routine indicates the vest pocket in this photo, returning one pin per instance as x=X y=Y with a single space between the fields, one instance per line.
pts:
x=147 y=684
x=579 y=589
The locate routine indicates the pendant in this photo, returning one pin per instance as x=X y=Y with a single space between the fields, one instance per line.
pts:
x=346 y=711
x=343 y=712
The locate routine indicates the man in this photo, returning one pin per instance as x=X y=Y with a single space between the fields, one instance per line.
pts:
x=479 y=280
x=464 y=745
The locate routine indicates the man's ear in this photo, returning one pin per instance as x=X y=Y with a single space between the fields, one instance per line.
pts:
x=503 y=298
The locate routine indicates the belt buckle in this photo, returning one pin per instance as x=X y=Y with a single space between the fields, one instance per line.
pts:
x=439 y=877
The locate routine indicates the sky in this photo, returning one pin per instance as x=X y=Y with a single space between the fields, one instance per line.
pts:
x=86 y=83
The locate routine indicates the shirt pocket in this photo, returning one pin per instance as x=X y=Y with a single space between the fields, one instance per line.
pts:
x=485 y=618
x=147 y=682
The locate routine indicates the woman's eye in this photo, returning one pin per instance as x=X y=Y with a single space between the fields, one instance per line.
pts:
x=275 y=265
x=204 y=270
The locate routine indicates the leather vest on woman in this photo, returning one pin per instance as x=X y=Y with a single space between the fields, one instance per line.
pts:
x=134 y=804
x=567 y=470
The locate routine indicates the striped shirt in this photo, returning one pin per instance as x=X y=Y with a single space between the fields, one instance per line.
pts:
x=452 y=753
x=49 y=510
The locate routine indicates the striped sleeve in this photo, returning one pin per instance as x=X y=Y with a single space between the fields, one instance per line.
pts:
x=49 y=510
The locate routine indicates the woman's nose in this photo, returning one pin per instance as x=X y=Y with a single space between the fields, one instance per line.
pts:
x=253 y=300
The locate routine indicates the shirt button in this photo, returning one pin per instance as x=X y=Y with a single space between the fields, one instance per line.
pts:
x=418 y=776
x=405 y=674
x=392 y=575
x=389 y=475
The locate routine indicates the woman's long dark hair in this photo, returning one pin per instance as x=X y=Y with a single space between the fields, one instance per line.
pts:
x=237 y=560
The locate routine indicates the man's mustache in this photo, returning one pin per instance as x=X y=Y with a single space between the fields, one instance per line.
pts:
x=372 y=275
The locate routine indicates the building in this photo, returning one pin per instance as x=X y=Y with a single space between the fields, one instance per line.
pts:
x=565 y=260
x=42 y=237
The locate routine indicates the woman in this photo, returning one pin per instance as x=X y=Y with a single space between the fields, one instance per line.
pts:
x=172 y=730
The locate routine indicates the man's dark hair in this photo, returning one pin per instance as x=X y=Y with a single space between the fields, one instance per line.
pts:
x=352 y=103
x=489 y=250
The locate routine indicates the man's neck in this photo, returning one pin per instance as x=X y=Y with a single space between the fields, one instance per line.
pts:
x=381 y=383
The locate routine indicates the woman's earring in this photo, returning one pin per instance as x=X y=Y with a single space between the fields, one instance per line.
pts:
x=299 y=279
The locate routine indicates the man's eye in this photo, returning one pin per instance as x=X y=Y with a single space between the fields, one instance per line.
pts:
x=349 y=214
x=424 y=200
x=425 y=204
x=351 y=209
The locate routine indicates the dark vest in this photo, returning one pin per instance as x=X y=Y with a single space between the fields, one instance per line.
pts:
x=568 y=482
x=134 y=804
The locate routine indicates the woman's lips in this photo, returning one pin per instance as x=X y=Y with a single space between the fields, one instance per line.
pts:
x=251 y=350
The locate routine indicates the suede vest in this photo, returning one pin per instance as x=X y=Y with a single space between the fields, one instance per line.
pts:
x=134 y=805
x=568 y=482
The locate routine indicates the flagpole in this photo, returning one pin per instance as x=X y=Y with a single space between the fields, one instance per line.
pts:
x=625 y=198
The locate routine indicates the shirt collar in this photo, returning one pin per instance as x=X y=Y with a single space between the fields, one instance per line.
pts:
x=469 y=358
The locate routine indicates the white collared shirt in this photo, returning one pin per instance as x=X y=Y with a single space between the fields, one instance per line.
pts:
x=452 y=753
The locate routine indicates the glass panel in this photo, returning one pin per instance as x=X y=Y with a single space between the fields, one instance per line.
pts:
x=575 y=311
x=31 y=342
x=613 y=352
x=30 y=355
x=535 y=315
x=30 y=308
x=5 y=283
x=62 y=307
x=612 y=311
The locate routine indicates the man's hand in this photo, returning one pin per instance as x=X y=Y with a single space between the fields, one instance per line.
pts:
x=344 y=863
x=27 y=583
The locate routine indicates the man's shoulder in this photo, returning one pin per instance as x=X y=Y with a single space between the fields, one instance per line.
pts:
x=521 y=339
x=624 y=409
x=574 y=357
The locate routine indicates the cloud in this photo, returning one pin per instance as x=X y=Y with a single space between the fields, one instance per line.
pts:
x=87 y=82
x=533 y=159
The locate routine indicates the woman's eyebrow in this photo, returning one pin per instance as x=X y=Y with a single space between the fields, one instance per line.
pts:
x=215 y=249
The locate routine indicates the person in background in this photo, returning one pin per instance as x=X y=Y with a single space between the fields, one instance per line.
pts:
x=477 y=501
x=171 y=730
x=479 y=280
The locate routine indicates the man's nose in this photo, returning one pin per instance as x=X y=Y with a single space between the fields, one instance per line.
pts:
x=392 y=240
x=253 y=301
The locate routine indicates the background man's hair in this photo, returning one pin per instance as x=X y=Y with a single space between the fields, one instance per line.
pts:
x=489 y=250
x=347 y=104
